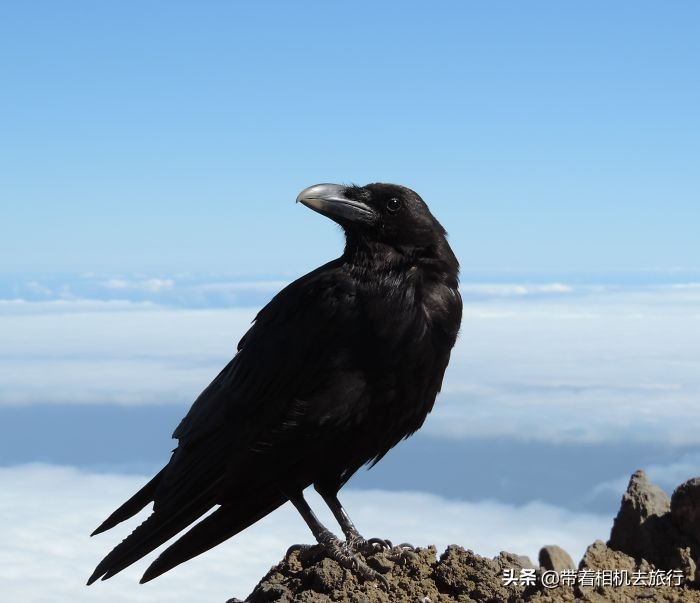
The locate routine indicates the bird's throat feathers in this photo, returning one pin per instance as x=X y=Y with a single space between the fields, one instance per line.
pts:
x=433 y=261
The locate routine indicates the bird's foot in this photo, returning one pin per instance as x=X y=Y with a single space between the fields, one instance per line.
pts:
x=398 y=554
x=330 y=546
x=305 y=552
x=403 y=553
x=357 y=544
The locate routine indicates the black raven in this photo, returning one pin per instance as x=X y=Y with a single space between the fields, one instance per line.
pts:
x=340 y=366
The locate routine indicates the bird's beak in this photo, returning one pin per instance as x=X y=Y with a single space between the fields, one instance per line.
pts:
x=330 y=200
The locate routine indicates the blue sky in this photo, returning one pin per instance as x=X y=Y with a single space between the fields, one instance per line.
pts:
x=167 y=136
x=150 y=156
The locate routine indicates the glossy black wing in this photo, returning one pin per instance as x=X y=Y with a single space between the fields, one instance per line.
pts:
x=296 y=341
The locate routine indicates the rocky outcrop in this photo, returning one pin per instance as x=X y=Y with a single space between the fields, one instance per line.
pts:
x=652 y=556
x=555 y=558
x=685 y=508
x=647 y=527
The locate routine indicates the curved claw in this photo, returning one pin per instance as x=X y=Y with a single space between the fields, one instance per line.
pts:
x=369 y=574
x=344 y=554
x=306 y=551
x=294 y=547
x=404 y=552
x=369 y=546
x=383 y=581
x=380 y=543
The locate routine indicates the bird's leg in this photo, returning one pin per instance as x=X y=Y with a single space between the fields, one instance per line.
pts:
x=355 y=541
x=331 y=545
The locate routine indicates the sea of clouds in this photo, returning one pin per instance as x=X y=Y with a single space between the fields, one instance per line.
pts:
x=47 y=512
x=544 y=363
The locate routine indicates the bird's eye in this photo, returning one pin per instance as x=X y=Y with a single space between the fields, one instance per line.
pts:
x=393 y=205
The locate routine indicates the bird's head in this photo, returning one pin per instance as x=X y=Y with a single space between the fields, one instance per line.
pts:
x=381 y=215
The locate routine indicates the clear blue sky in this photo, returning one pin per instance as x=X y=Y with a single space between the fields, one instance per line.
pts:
x=171 y=136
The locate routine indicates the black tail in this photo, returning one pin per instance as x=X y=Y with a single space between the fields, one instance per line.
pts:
x=162 y=525
x=132 y=506
x=227 y=521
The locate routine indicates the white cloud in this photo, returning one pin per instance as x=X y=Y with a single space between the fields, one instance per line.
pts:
x=591 y=370
x=240 y=286
x=694 y=286
x=135 y=357
x=47 y=512
x=512 y=290
x=13 y=307
x=151 y=285
x=600 y=367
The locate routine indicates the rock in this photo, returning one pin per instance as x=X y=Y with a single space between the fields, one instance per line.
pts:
x=688 y=562
x=507 y=559
x=685 y=508
x=643 y=527
x=553 y=557
x=650 y=534
x=462 y=573
x=325 y=576
x=599 y=556
x=641 y=501
x=379 y=563
x=458 y=576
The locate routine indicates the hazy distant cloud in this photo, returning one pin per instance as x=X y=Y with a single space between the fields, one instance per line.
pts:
x=177 y=291
x=135 y=357
x=665 y=415
x=152 y=285
x=36 y=287
x=240 y=286
x=686 y=286
x=587 y=368
x=211 y=290
x=70 y=306
x=47 y=554
x=587 y=371
x=512 y=290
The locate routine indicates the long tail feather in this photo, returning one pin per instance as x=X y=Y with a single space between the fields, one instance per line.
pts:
x=132 y=506
x=162 y=525
x=227 y=521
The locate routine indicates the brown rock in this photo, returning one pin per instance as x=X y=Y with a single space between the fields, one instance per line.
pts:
x=553 y=557
x=458 y=576
x=380 y=563
x=685 y=508
x=643 y=527
x=688 y=563
x=325 y=576
x=644 y=538
x=599 y=557
x=507 y=560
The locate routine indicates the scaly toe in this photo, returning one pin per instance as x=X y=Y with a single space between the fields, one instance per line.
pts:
x=368 y=547
x=380 y=543
x=344 y=555
x=403 y=553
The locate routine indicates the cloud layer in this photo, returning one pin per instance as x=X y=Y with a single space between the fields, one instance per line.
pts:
x=47 y=512
x=556 y=364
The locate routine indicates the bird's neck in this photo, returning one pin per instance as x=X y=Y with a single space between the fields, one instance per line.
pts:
x=367 y=255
